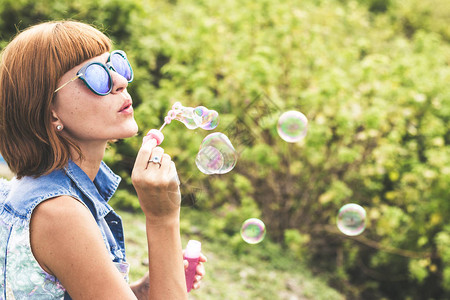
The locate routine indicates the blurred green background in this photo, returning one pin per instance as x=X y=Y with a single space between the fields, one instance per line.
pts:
x=373 y=79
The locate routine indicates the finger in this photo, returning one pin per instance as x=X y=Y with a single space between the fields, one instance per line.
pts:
x=203 y=258
x=144 y=154
x=196 y=285
x=186 y=264
x=158 y=154
x=177 y=179
x=197 y=279
x=165 y=163
x=173 y=174
x=200 y=269
x=172 y=178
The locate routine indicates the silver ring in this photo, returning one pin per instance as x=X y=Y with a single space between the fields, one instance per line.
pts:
x=155 y=160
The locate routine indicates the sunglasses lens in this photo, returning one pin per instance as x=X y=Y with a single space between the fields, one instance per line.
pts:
x=98 y=79
x=121 y=66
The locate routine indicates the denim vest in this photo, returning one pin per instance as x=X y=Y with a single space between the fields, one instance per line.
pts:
x=21 y=276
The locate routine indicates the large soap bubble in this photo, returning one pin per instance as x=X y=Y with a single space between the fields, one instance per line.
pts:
x=209 y=160
x=216 y=155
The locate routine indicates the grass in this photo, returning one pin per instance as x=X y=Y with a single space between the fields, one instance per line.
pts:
x=262 y=271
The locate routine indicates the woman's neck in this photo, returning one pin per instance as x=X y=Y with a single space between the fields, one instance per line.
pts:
x=92 y=158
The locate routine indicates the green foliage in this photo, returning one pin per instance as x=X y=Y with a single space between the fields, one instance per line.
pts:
x=297 y=243
x=371 y=77
x=124 y=200
x=263 y=271
x=418 y=269
x=414 y=15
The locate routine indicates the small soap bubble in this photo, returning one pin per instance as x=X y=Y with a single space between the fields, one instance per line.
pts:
x=172 y=114
x=205 y=118
x=211 y=120
x=292 y=126
x=209 y=160
x=177 y=106
x=351 y=219
x=253 y=231
x=222 y=144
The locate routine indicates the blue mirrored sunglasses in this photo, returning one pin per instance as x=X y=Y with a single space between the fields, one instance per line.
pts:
x=97 y=76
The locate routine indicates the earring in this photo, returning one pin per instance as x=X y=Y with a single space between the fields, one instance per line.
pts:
x=59 y=127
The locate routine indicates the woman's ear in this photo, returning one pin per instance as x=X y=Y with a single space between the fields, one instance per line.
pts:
x=56 y=121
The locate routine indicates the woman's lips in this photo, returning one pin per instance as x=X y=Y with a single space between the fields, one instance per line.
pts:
x=126 y=107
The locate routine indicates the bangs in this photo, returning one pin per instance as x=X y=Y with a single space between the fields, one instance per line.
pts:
x=74 y=43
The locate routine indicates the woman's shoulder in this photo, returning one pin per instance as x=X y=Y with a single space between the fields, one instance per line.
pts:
x=22 y=195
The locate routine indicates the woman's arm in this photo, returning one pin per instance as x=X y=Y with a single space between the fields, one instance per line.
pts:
x=167 y=279
x=67 y=243
x=157 y=187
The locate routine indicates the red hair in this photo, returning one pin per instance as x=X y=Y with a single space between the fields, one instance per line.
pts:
x=30 y=68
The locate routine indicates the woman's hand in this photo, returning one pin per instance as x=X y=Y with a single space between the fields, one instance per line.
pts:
x=156 y=182
x=142 y=286
x=200 y=270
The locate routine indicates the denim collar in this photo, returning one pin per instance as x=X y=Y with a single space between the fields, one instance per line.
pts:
x=100 y=190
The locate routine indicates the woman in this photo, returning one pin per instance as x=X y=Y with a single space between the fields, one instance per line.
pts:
x=63 y=96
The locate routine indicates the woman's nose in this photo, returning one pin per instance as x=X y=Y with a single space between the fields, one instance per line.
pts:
x=120 y=83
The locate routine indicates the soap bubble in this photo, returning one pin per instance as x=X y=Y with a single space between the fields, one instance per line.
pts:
x=211 y=120
x=253 y=231
x=218 y=143
x=292 y=126
x=351 y=219
x=185 y=115
x=209 y=160
x=198 y=114
x=177 y=106
x=205 y=118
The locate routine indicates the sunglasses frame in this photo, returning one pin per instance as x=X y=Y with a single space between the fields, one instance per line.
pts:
x=107 y=67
